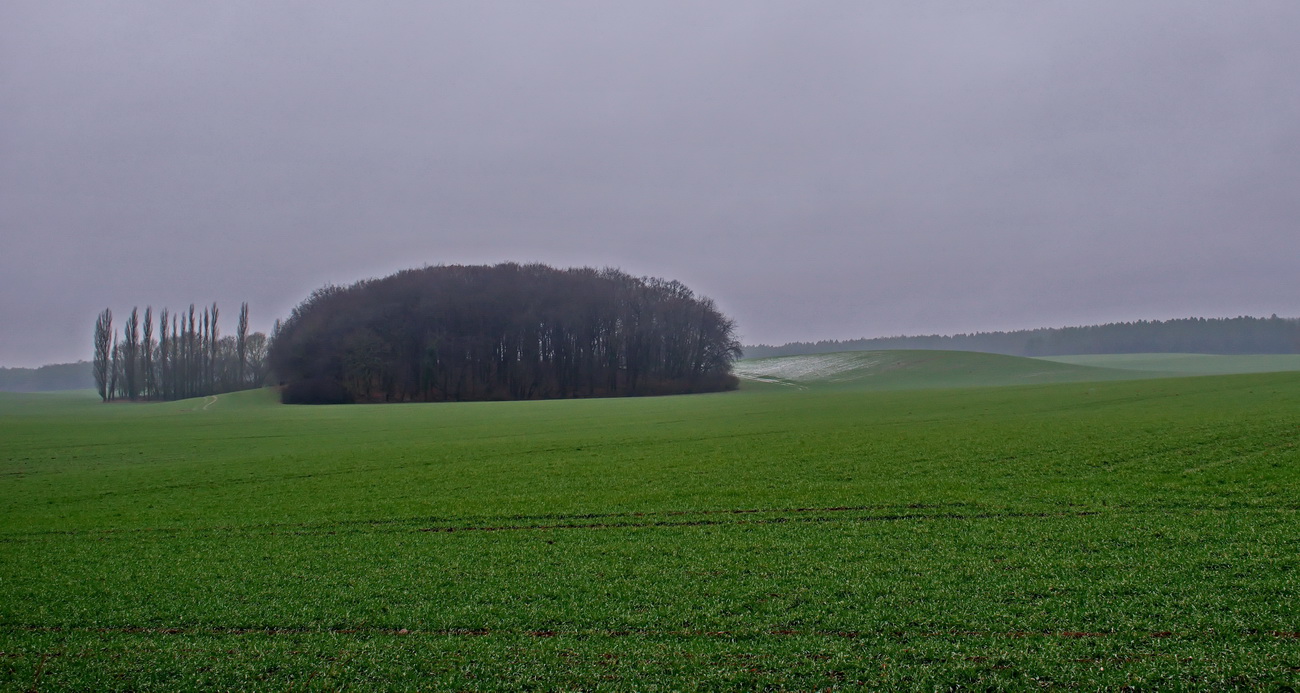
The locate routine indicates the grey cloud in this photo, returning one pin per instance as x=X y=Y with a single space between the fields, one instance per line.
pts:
x=823 y=170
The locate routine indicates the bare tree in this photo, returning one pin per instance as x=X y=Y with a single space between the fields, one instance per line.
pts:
x=189 y=357
x=115 y=372
x=191 y=361
x=178 y=365
x=241 y=345
x=212 y=352
x=200 y=354
x=103 y=353
x=256 y=346
x=146 y=360
x=163 y=365
x=130 y=354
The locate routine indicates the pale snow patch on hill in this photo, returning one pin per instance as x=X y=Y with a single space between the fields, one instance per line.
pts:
x=812 y=367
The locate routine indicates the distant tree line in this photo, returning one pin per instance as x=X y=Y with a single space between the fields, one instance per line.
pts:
x=509 y=331
x=56 y=376
x=188 y=358
x=1241 y=335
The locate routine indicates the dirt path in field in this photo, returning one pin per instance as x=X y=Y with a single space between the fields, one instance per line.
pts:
x=212 y=399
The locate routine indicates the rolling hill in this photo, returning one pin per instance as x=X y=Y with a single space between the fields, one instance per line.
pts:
x=1187 y=364
x=917 y=369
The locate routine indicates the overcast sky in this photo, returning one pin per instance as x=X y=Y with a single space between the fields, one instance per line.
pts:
x=821 y=169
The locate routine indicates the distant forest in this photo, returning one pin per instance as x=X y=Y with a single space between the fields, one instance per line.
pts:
x=58 y=376
x=1241 y=335
x=503 y=332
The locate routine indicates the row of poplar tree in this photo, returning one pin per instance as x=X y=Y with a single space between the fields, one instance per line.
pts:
x=187 y=358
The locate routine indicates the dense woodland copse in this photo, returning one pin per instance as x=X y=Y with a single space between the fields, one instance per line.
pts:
x=509 y=331
x=1240 y=335
x=188 y=358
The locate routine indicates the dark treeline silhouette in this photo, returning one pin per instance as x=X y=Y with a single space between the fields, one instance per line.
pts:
x=1241 y=335
x=188 y=358
x=55 y=376
x=510 y=331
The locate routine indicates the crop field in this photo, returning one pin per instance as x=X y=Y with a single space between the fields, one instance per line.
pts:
x=1187 y=364
x=1099 y=533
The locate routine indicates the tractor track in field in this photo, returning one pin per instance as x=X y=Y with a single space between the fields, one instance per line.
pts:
x=635 y=632
x=629 y=520
x=624 y=520
x=759 y=521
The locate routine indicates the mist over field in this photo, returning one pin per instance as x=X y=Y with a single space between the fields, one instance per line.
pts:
x=578 y=345
x=838 y=171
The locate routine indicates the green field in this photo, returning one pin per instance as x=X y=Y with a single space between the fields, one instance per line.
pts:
x=803 y=533
x=1187 y=364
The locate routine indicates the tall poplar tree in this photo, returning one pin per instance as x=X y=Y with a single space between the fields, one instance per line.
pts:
x=103 y=353
x=178 y=364
x=130 y=354
x=241 y=345
x=212 y=353
x=146 y=354
x=189 y=358
x=115 y=370
x=191 y=349
x=163 y=365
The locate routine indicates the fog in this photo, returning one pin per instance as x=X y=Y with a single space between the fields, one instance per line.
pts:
x=829 y=170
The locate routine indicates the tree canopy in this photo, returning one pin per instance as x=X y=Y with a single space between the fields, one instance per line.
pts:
x=509 y=331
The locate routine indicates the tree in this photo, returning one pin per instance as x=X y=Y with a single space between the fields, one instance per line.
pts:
x=241 y=345
x=146 y=346
x=178 y=362
x=256 y=348
x=202 y=386
x=212 y=352
x=115 y=370
x=503 y=332
x=103 y=353
x=130 y=354
x=189 y=358
x=164 y=368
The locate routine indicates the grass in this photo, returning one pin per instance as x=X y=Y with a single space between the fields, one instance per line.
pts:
x=1091 y=534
